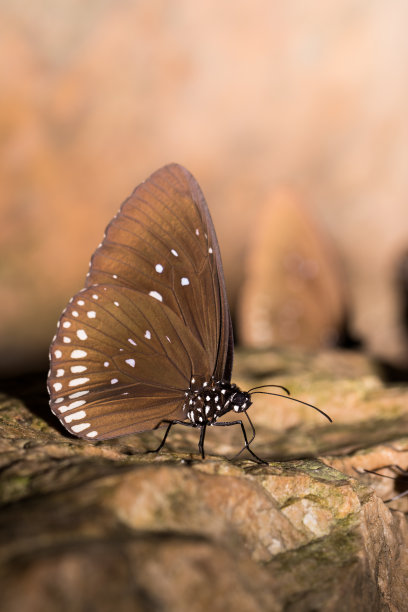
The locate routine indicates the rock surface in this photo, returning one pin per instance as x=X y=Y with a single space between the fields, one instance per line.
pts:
x=294 y=292
x=103 y=526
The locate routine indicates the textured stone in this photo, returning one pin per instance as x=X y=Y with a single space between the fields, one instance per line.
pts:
x=381 y=459
x=102 y=526
x=294 y=293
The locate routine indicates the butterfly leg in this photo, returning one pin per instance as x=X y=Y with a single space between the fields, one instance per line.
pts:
x=393 y=467
x=250 y=441
x=399 y=469
x=228 y=424
x=201 y=442
x=169 y=426
x=401 y=474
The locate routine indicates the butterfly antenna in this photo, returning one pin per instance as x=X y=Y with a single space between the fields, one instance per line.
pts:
x=265 y=386
x=293 y=399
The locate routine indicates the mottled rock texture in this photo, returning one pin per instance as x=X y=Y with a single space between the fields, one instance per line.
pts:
x=294 y=292
x=104 y=526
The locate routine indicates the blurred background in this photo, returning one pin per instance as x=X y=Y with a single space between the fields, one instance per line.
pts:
x=293 y=118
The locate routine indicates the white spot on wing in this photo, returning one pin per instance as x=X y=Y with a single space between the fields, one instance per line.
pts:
x=168 y=339
x=57 y=386
x=147 y=335
x=82 y=335
x=114 y=381
x=159 y=268
x=58 y=354
x=184 y=281
x=77 y=404
x=116 y=303
x=131 y=362
x=60 y=372
x=174 y=252
x=66 y=340
x=95 y=296
x=66 y=324
x=92 y=434
x=77 y=369
x=106 y=364
x=64 y=408
x=59 y=400
x=156 y=295
x=210 y=250
x=75 y=313
x=80 y=302
x=75 y=416
x=78 y=381
x=91 y=314
x=78 y=394
x=80 y=427
x=77 y=354
x=197 y=232
x=132 y=341
x=114 y=276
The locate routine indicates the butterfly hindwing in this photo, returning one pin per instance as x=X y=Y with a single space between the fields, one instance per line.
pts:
x=114 y=345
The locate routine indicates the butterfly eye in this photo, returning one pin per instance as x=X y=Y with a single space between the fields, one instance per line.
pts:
x=240 y=399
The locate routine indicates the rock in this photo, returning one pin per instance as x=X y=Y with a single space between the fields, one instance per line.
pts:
x=102 y=526
x=293 y=292
x=380 y=458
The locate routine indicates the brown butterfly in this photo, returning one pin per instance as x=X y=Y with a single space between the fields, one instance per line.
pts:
x=148 y=341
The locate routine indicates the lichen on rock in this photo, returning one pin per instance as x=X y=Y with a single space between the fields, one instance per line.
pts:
x=106 y=526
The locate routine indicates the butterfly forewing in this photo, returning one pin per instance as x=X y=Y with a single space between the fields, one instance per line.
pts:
x=162 y=242
x=154 y=314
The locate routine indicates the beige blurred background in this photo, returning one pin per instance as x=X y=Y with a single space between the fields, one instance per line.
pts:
x=250 y=97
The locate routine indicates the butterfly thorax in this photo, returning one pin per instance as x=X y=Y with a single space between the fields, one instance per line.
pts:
x=207 y=402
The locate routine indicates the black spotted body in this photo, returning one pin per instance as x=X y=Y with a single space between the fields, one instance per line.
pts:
x=205 y=403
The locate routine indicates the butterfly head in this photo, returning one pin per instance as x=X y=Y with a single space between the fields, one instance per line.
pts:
x=240 y=401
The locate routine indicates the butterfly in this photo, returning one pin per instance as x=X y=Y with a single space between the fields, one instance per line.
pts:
x=148 y=341
x=400 y=475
